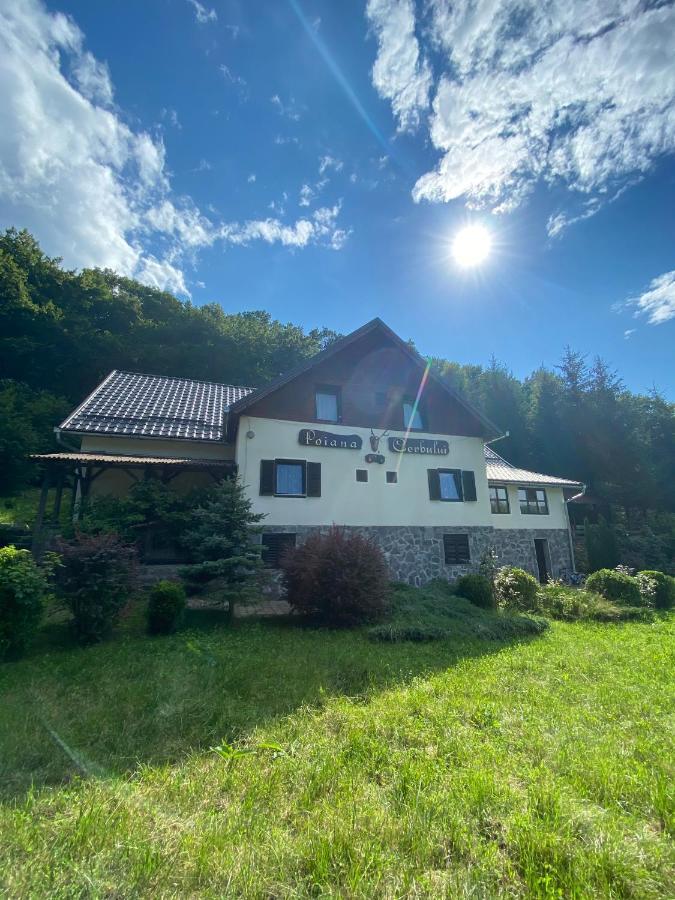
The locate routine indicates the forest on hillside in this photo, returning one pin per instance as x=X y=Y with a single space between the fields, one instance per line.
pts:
x=61 y=331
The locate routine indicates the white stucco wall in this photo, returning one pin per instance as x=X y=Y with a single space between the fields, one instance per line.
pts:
x=344 y=501
x=556 y=517
x=136 y=446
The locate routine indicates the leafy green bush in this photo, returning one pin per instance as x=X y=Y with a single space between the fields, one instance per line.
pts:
x=338 y=579
x=94 y=579
x=516 y=589
x=433 y=612
x=560 y=601
x=22 y=589
x=478 y=589
x=656 y=588
x=615 y=586
x=165 y=607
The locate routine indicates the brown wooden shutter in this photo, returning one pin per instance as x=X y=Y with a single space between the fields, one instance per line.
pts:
x=267 y=476
x=434 y=484
x=469 y=485
x=313 y=479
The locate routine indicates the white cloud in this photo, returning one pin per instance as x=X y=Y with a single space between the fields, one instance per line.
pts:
x=288 y=110
x=658 y=301
x=91 y=189
x=320 y=229
x=574 y=94
x=202 y=14
x=251 y=178
x=330 y=162
x=627 y=333
x=400 y=74
x=171 y=116
x=230 y=76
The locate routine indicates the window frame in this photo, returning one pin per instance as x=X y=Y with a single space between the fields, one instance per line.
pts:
x=391 y=477
x=362 y=472
x=525 y=503
x=457 y=475
x=420 y=412
x=291 y=462
x=329 y=390
x=498 y=500
x=454 y=535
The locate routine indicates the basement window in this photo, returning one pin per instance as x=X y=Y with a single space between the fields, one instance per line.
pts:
x=274 y=545
x=456 y=549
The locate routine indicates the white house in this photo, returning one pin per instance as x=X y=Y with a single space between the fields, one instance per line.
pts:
x=363 y=435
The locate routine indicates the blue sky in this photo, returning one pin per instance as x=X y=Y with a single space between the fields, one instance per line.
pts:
x=316 y=159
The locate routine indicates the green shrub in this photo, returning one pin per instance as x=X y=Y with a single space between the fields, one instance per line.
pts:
x=338 y=579
x=433 y=613
x=560 y=601
x=615 y=586
x=94 y=579
x=22 y=589
x=165 y=607
x=478 y=589
x=656 y=588
x=516 y=589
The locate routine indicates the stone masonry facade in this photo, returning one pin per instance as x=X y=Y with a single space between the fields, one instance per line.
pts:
x=415 y=553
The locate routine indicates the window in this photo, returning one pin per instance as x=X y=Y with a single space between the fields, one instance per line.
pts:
x=533 y=501
x=412 y=417
x=274 y=546
x=499 y=499
x=392 y=477
x=328 y=404
x=452 y=485
x=362 y=474
x=456 y=549
x=290 y=478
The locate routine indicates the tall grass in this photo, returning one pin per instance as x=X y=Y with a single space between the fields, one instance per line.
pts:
x=454 y=768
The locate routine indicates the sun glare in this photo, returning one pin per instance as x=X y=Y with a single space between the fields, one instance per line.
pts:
x=471 y=246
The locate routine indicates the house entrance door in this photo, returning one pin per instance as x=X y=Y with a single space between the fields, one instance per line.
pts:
x=541 y=550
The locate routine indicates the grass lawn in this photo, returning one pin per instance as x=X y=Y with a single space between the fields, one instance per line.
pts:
x=348 y=767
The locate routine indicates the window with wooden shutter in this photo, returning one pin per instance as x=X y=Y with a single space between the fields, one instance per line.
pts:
x=456 y=549
x=445 y=484
x=434 y=484
x=266 y=476
x=313 y=479
x=468 y=485
x=289 y=478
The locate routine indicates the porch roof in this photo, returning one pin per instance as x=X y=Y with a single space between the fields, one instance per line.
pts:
x=109 y=459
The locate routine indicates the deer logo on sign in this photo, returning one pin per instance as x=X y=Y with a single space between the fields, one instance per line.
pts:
x=375 y=440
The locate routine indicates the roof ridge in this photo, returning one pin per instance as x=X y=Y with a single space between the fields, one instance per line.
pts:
x=243 y=387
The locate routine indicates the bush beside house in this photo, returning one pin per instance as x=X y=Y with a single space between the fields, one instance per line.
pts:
x=619 y=587
x=95 y=579
x=166 y=605
x=22 y=591
x=337 y=579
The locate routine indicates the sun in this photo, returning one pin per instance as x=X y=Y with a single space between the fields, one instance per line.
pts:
x=471 y=246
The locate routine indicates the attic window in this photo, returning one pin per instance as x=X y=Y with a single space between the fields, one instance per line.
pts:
x=412 y=417
x=327 y=400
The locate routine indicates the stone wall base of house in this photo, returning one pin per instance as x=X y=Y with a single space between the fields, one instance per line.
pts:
x=415 y=553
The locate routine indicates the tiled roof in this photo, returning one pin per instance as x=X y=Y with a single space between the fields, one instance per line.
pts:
x=498 y=469
x=155 y=406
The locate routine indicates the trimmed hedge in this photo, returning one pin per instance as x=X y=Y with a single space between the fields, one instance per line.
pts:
x=165 y=607
x=478 y=589
x=516 y=589
x=657 y=588
x=615 y=586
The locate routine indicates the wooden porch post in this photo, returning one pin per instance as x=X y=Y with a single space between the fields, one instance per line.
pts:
x=38 y=526
x=59 y=494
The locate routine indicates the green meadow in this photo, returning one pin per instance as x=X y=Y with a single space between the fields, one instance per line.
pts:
x=270 y=760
